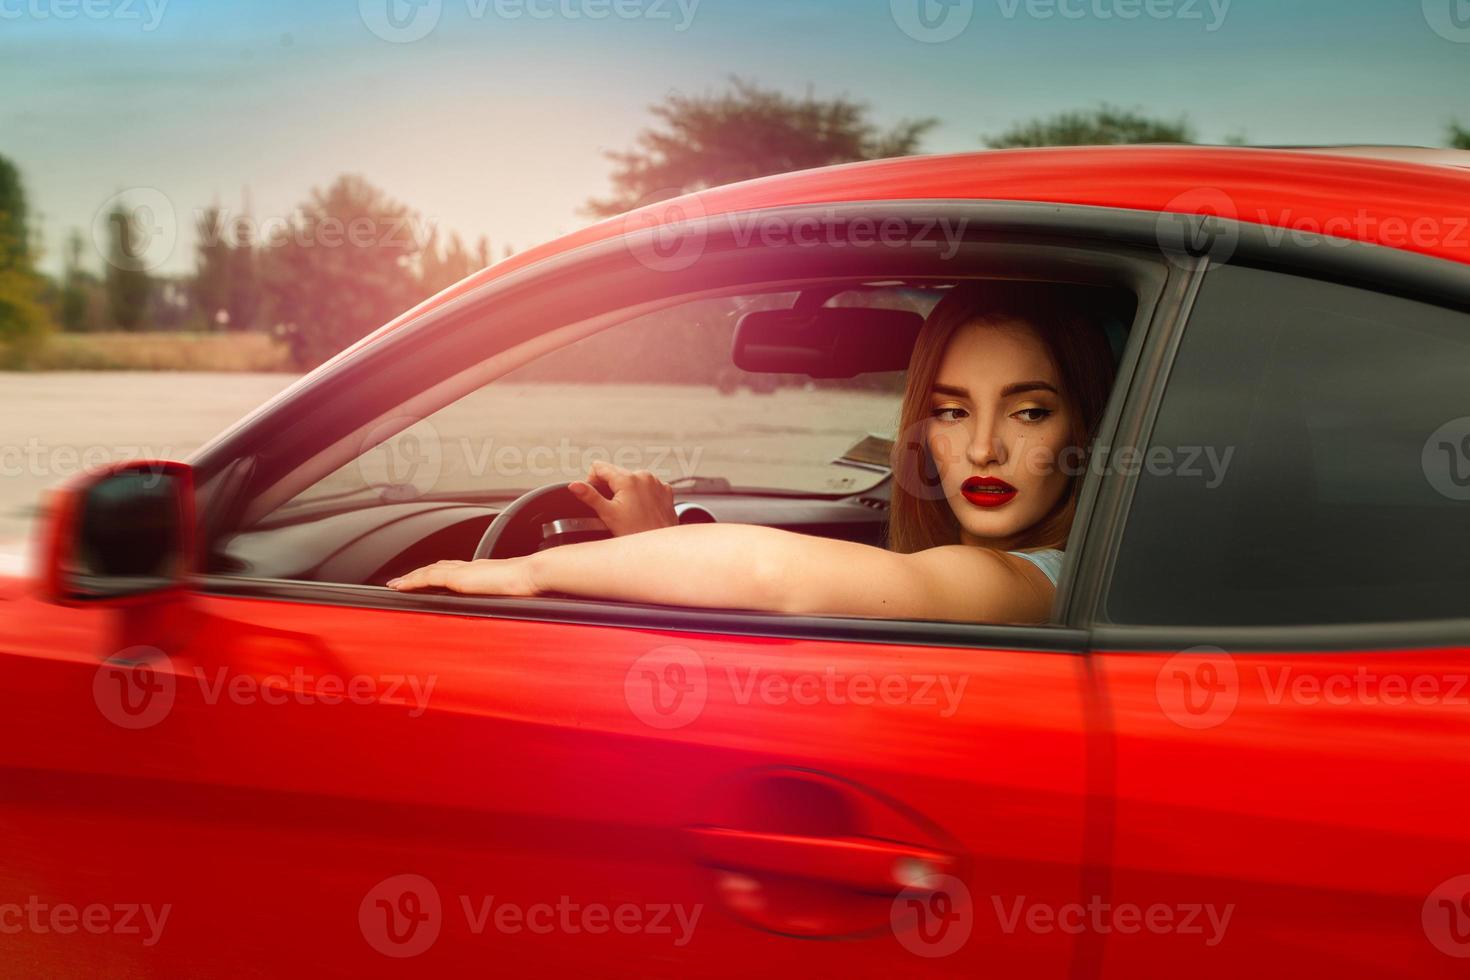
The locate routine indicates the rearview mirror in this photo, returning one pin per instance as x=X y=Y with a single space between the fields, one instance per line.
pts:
x=123 y=532
x=827 y=342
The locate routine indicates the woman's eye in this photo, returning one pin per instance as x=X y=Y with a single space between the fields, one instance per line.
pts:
x=949 y=414
x=1034 y=414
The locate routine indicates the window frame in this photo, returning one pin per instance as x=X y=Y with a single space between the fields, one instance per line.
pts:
x=232 y=469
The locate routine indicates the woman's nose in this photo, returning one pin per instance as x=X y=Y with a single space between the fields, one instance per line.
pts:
x=986 y=447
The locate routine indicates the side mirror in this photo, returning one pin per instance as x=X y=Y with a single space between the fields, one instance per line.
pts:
x=124 y=532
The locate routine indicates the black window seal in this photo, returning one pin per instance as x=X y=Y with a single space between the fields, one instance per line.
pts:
x=1436 y=634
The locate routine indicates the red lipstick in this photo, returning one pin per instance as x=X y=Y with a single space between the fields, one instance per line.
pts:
x=988 y=491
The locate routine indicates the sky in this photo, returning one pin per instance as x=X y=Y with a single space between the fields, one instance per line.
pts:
x=493 y=117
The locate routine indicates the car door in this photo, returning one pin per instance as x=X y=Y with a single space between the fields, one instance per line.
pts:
x=337 y=778
x=1286 y=652
x=312 y=779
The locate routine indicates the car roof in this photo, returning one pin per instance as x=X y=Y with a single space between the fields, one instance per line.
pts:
x=1430 y=156
x=1411 y=198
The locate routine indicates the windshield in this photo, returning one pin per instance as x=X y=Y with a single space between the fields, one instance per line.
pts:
x=658 y=392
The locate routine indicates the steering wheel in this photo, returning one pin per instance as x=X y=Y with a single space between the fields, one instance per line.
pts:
x=535 y=517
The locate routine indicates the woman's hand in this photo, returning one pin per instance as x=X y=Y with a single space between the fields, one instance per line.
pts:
x=640 y=501
x=509 y=577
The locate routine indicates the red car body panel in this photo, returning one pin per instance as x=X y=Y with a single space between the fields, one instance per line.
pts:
x=1058 y=781
x=528 y=778
x=1326 y=816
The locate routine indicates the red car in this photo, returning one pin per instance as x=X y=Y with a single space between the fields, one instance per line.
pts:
x=1240 y=747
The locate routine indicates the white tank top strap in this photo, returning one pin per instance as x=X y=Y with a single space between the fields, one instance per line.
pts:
x=1049 y=560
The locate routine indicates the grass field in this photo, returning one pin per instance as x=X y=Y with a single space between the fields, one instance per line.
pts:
x=156 y=352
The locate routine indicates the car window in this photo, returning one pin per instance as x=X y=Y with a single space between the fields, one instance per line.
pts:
x=657 y=392
x=1310 y=463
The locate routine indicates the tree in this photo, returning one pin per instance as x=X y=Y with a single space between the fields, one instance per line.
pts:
x=79 y=305
x=211 y=288
x=1459 y=137
x=243 y=295
x=440 y=268
x=746 y=132
x=129 y=287
x=23 y=316
x=345 y=267
x=1104 y=126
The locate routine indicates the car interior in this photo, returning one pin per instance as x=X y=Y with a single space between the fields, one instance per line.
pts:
x=772 y=404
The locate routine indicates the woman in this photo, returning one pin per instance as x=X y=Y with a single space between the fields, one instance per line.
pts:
x=1005 y=388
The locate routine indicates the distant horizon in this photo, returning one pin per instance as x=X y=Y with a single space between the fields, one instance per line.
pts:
x=492 y=117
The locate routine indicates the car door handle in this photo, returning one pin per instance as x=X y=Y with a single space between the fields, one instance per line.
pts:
x=861 y=863
x=805 y=853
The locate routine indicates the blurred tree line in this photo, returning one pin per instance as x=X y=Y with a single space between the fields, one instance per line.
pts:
x=346 y=261
x=351 y=258
x=23 y=314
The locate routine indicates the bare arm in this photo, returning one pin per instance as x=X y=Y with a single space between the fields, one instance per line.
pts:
x=743 y=566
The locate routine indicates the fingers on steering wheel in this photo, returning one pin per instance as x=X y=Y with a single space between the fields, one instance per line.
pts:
x=590 y=495
x=611 y=476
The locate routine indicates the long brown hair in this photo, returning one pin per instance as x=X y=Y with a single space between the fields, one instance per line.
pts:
x=1069 y=322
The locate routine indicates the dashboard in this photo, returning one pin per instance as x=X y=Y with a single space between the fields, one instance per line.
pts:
x=372 y=544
